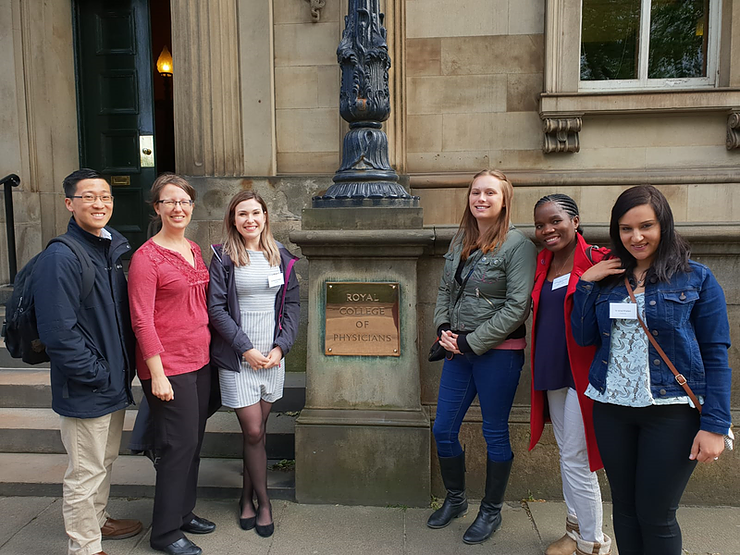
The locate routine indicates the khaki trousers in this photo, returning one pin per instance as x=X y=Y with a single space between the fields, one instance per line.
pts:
x=92 y=445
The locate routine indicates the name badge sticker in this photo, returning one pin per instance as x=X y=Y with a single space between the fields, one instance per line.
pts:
x=623 y=311
x=275 y=279
x=561 y=281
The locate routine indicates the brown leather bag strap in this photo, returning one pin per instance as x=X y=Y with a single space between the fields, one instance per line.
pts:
x=679 y=377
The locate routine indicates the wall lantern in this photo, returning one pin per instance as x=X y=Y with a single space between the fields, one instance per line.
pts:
x=164 y=63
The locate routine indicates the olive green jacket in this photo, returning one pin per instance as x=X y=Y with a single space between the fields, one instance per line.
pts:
x=496 y=299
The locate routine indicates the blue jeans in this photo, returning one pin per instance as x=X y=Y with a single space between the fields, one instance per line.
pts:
x=494 y=376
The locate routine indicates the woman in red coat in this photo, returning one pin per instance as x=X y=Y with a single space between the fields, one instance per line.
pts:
x=560 y=372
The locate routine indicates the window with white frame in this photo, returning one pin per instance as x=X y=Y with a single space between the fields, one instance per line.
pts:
x=638 y=44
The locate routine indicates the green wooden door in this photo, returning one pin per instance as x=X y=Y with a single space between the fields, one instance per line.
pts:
x=116 y=105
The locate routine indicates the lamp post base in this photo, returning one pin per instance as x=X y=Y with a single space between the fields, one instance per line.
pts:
x=367 y=194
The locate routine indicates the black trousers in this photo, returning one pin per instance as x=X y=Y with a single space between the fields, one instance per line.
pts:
x=646 y=457
x=179 y=426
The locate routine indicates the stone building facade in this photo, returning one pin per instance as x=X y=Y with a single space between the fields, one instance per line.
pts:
x=474 y=84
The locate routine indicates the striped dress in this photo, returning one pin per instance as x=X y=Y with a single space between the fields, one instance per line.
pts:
x=257 y=308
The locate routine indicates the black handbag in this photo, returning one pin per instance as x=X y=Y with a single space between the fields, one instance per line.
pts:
x=437 y=351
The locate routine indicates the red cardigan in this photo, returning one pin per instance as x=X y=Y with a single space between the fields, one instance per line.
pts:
x=580 y=357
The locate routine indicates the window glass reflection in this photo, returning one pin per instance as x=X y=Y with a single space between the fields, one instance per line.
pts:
x=609 y=39
x=678 y=39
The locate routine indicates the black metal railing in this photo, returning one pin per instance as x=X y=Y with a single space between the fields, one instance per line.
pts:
x=8 y=182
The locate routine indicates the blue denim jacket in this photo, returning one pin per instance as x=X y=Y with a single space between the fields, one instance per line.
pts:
x=688 y=318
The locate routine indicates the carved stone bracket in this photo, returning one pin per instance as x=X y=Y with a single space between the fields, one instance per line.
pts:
x=316 y=7
x=561 y=134
x=733 y=130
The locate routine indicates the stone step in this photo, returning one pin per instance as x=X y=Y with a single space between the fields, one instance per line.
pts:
x=32 y=474
x=30 y=388
x=7 y=361
x=34 y=430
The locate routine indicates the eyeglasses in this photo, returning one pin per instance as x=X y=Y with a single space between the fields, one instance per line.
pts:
x=169 y=203
x=89 y=198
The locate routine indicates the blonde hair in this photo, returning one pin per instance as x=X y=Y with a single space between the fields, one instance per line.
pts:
x=496 y=235
x=233 y=242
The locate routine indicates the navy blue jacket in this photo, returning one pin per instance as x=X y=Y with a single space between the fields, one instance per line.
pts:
x=688 y=317
x=90 y=343
x=230 y=342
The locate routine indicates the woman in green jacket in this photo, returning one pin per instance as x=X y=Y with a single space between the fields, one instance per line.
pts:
x=483 y=301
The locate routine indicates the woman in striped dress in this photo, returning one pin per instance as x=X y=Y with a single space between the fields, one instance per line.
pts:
x=253 y=305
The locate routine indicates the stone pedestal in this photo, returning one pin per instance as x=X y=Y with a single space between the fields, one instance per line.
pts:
x=363 y=437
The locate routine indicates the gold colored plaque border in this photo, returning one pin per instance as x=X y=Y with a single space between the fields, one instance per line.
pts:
x=362 y=319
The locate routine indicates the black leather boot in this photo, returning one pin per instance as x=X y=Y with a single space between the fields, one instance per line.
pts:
x=456 y=504
x=489 y=514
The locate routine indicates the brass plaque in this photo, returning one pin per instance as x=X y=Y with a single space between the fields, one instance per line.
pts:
x=362 y=319
x=120 y=180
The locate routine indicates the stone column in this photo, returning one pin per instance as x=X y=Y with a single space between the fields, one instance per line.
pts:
x=207 y=95
x=39 y=112
x=363 y=436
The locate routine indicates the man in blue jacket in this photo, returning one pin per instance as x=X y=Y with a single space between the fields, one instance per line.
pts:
x=90 y=344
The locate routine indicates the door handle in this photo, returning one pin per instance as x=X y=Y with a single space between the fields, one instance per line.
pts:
x=146 y=156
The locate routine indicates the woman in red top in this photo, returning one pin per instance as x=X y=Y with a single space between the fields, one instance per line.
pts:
x=560 y=372
x=167 y=291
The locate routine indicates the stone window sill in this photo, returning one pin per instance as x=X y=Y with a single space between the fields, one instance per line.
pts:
x=562 y=113
x=638 y=102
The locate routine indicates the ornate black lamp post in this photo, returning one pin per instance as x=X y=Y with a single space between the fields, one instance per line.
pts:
x=365 y=177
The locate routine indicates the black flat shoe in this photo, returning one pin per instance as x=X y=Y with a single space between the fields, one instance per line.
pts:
x=198 y=525
x=264 y=530
x=246 y=523
x=183 y=546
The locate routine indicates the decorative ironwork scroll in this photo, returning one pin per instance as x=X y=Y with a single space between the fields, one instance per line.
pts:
x=365 y=177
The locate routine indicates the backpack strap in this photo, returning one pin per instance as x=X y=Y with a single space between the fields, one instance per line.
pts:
x=88 y=270
x=589 y=253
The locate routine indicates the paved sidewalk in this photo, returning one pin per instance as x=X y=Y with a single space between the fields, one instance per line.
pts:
x=34 y=525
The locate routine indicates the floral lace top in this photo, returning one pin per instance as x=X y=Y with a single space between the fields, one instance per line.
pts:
x=169 y=314
x=628 y=373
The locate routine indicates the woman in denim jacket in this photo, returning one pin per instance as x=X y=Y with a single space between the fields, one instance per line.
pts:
x=483 y=301
x=649 y=434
